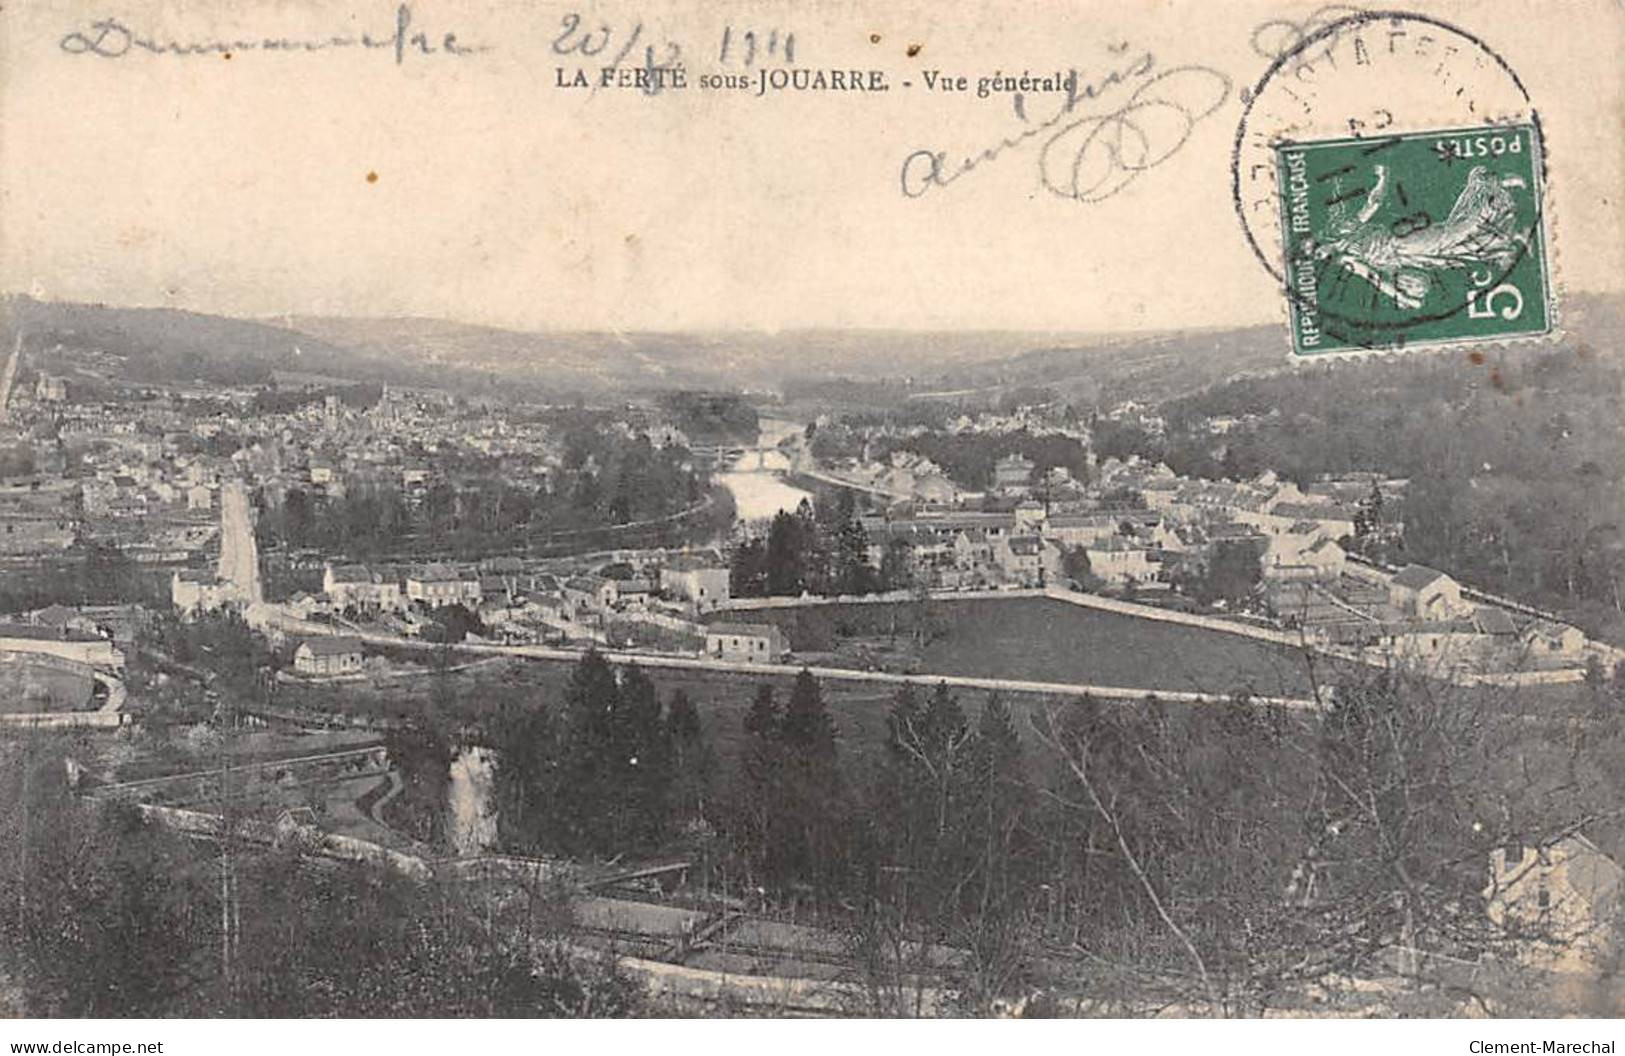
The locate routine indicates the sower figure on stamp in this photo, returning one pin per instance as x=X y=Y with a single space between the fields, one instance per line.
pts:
x=1397 y=257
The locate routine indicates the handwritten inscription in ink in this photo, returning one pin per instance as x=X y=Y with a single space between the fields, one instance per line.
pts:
x=110 y=38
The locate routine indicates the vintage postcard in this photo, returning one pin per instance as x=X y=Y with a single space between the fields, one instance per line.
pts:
x=518 y=508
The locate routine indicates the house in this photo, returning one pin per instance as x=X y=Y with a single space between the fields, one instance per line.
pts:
x=1440 y=644
x=595 y=593
x=194 y=591
x=337 y=654
x=973 y=548
x=304 y=605
x=635 y=592
x=1082 y=529
x=360 y=587
x=1120 y=561
x=199 y=497
x=51 y=389
x=1333 y=521
x=1561 y=898
x=1287 y=558
x=1421 y=593
x=702 y=584
x=63 y=619
x=437 y=585
x=1030 y=560
x=750 y=643
x=1550 y=640
x=1013 y=471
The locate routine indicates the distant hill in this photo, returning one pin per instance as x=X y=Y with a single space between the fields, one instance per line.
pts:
x=162 y=345
x=593 y=361
x=1152 y=368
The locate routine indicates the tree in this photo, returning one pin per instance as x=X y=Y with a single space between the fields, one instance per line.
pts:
x=849 y=548
x=591 y=764
x=1076 y=567
x=691 y=762
x=527 y=765
x=763 y=718
x=760 y=775
x=897 y=566
x=640 y=744
x=956 y=867
x=1239 y=853
x=791 y=816
x=453 y=623
x=1233 y=572
x=785 y=561
x=807 y=730
x=747 y=568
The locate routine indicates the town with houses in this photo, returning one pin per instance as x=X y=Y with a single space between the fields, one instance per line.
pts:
x=151 y=478
x=175 y=489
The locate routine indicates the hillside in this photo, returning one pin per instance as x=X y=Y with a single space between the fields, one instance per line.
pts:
x=146 y=345
x=150 y=345
x=590 y=361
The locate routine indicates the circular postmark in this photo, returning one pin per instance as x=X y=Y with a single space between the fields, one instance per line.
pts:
x=1388 y=172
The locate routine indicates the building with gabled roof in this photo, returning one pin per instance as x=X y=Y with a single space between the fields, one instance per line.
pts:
x=1421 y=593
x=326 y=655
x=750 y=643
x=1562 y=898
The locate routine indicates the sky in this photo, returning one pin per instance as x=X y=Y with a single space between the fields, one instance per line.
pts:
x=473 y=188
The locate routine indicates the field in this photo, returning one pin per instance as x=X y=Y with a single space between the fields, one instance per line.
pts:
x=1048 y=641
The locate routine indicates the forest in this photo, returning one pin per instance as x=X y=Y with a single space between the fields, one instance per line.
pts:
x=1082 y=857
x=1220 y=857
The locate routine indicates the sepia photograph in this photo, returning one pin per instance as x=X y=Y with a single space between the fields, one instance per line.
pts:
x=812 y=510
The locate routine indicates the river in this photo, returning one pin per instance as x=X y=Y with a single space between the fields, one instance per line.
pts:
x=757 y=481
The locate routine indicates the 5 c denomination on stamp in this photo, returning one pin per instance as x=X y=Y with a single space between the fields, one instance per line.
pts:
x=1418 y=239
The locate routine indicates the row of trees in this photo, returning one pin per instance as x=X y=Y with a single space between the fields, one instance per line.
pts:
x=87 y=573
x=967 y=459
x=1220 y=858
x=821 y=548
x=605 y=480
x=614 y=770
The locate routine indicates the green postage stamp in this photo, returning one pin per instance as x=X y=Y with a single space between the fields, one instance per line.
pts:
x=1427 y=238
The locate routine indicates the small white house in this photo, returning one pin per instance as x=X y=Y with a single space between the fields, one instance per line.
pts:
x=337 y=654
x=1552 y=641
x=750 y=643
x=702 y=585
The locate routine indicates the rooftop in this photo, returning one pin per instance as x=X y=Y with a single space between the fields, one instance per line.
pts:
x=1415 y=577
x=332 y=645
x=743 y=630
